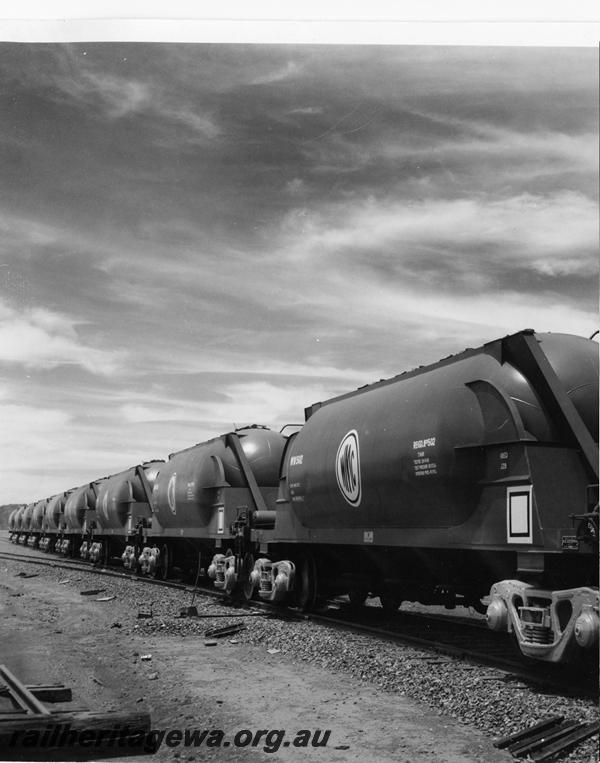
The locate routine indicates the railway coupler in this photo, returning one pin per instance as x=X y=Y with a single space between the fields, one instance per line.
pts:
x=548 y=625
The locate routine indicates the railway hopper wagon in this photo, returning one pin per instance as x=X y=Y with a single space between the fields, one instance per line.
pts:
x=36 y=523
x=470 y=481
x=119 y=514
x=14 y=524
x=78 y=525
x=53 y=536
x=475 y=476
x=24 y=518
x=217 y=495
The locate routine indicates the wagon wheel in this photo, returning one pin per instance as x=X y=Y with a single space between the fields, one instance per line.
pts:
x=390 y=602
x=243 y=590
x=478 y=605
x=165 y=562
x=105 y=553
x=357 y=596
x=306 y=583
x=135 y=568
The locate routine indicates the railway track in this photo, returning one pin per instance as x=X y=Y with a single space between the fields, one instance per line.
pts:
x=448 y=637
x=472 y=642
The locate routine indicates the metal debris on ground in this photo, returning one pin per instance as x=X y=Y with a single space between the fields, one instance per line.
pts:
x=27 y=574
x=211 y=642
x=273 y=651
x=188 y=612
x=145 y=611
x=92 y=591
x=145 y=657
x=183 y=613
x=547 y=738
x=32 y=716
x=45 y=692
x=192 y=611
x=227 y=630
x=105 y=598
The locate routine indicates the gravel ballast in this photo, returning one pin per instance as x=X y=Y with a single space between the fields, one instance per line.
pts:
x=486 y=698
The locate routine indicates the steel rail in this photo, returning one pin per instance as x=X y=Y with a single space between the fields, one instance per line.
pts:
x=500 y=657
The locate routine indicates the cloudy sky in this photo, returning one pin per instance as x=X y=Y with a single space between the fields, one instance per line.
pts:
x=196 y=236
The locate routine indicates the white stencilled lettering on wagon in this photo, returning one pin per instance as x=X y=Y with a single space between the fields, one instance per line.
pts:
x=296 y=460
x=424 y=465
x=428 y=442
x=190 y=491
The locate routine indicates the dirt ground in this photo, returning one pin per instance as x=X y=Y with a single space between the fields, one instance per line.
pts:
x=49 y=633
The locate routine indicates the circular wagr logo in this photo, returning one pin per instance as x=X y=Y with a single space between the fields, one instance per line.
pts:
x=171 y=492
x=347 y=468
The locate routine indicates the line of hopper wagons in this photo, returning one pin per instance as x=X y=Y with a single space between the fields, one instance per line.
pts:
x=470 y=481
